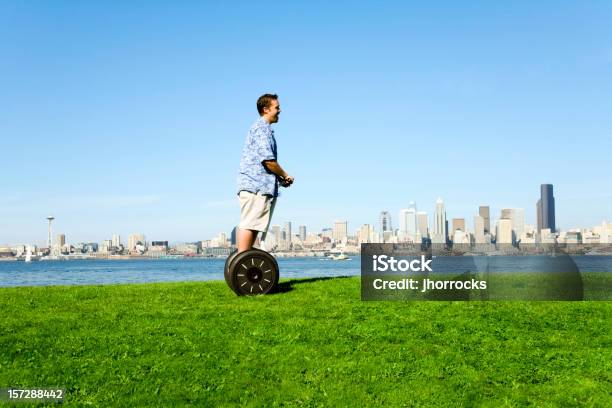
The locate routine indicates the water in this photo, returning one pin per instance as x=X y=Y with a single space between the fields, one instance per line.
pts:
x=92 y=272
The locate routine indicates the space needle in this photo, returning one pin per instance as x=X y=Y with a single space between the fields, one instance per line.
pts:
x=49 y=219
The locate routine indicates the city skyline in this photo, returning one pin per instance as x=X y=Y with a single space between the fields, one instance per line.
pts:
x=385 y=220
x=133 y=119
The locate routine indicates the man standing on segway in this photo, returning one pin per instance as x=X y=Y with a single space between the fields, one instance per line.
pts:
x=259 y=175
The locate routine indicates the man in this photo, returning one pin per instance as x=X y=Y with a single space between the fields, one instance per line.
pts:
x=259 y=175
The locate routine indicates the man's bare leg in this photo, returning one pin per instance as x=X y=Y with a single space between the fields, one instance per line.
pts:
x=246 y=239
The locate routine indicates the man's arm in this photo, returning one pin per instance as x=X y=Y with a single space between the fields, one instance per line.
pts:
x=274 y=167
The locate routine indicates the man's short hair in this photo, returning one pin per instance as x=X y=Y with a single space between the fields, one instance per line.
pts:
x=264 y=102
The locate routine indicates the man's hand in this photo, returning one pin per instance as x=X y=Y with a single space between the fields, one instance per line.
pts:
x=286 y=181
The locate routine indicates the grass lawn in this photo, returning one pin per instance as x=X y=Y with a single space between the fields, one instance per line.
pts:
x=314 y=344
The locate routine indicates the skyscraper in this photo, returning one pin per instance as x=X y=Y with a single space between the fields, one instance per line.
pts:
x=423 y=224
x=517 y=219
x=303 y=233
x=365 y=233
x=408 y=222
x=439 y=234
x=483 y=211
x=276 y=233
x=288 y=231
x=116 y=240
x=504 y=231
x=545 y=208
x=340 y=230
x=233 y=238
x=385 y=222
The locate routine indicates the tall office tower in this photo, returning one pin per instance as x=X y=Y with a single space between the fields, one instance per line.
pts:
x=504 y=231
x=134 y=239
x=479 y=232
x=440 y=224
x=303 y=233
x=60 y=240
x=276 y=233
x=517 y=217
x=385 y=222
x=222 y=239
x=49 y=220
x=116 y=240
x=233 y=237
x=483 y=211
x=340 y=230
x=518 y=222
x=423 y=224
x=287 y=231
x=458 y=224
x=508 y=214
x=545 y=208
x=365 y=234
x=408 y=223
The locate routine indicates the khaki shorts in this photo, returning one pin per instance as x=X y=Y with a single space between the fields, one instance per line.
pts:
x=255 y=211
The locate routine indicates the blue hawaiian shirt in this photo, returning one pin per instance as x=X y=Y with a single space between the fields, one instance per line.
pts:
x=260 y=145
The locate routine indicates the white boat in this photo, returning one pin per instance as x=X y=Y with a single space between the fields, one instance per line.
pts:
x=50 y=258
x=340 y=257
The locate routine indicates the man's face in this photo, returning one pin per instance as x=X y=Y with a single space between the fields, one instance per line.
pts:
x=271 y=113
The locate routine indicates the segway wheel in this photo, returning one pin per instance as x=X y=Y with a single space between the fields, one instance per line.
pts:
x=226 y=273
x=253 y=272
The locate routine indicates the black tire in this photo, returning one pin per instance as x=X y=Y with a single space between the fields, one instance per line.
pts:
x=226 y=273
x=253 y=272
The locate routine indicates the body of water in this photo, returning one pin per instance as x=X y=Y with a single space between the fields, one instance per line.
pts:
x=92 y=272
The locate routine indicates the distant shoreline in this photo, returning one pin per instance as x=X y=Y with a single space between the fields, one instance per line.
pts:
x=158 y=258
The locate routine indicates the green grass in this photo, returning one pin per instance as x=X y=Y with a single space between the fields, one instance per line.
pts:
x=315 y=344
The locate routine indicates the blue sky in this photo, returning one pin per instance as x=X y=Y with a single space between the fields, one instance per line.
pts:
x=122 y=118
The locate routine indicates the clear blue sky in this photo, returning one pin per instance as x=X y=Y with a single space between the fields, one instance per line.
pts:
x=121 y=118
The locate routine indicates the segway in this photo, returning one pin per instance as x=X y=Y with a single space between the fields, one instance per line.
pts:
x=252 y=272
